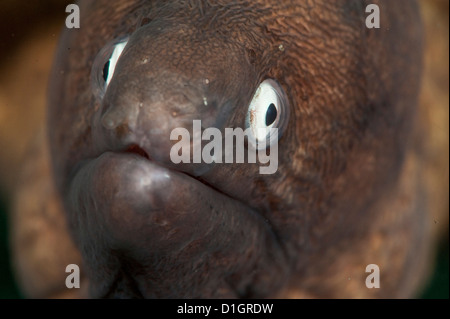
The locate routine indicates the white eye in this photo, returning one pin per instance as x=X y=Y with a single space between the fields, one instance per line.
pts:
x=105 y=65
x=268 y=111
x=110 y=65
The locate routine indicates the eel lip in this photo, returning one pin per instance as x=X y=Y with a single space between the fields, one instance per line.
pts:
x=137 y=150
x=129 y=200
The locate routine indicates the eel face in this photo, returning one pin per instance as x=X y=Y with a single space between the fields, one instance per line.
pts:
x=136 y=70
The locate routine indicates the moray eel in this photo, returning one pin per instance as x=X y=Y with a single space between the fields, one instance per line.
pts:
x=345 y=193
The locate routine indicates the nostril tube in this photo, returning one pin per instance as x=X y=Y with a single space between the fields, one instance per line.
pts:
x=114 y=117
x=108 y=122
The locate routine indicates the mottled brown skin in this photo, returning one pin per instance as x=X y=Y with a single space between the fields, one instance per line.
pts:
x=347 y=190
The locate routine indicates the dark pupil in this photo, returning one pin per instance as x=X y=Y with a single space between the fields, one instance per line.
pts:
x=106 y=71
x=271 y=114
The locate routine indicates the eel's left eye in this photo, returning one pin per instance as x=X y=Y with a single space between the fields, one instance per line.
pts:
x=268 y=110
x=105 y=64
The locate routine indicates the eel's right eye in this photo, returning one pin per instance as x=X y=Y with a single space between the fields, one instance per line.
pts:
x=105 y=64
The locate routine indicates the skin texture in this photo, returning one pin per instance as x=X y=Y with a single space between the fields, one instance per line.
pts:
x=347 y=192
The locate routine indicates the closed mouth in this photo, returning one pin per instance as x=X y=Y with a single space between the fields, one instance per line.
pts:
x=123 y=284
x=136 y=149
